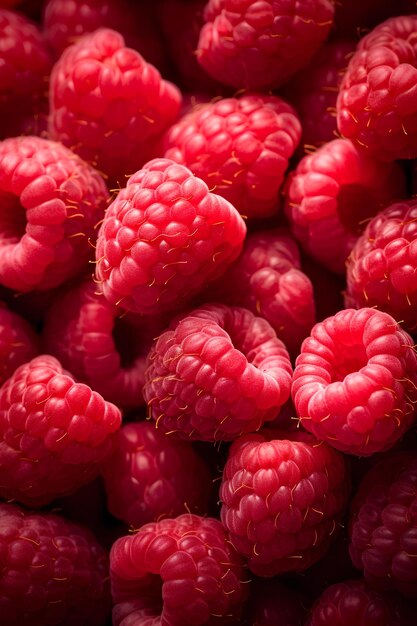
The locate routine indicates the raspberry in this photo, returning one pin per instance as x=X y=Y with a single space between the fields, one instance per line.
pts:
x=54 y=433
x=18 y=342
x=258 y=45
x=163 y=238
x=216 y=373
x=24 y=70
x=381 y=267
x=151 y=476
x=183 y=569
x=332 y=193
x=383 y=525
x=267 y=280
x=240 y=147
x=354 y=382
x=52 y=571
x=282 y=499
x=109 y=105
x=377 y=104
x=50 y=202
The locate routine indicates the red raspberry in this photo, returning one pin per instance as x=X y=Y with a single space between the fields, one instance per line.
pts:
x=52 y=571
x=163 y=238
x=282 y=499
x=83 y=331
x=273 y=603
x=240 y=147
x=109 y=105
x=258 y=45
x=151 y=476
x=384 y=525
x=183 y=570
x=267 y=280
x=50 y=203
x=216 y=373
x=24 y=69
x=381 y=270
x=332 y=193
x=377 y=104
x=355 y=379
x=54 y=433
x=18 y=342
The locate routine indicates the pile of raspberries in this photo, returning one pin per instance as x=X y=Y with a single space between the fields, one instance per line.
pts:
x=208 y=313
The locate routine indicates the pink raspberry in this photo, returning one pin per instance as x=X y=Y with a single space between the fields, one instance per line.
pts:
x=383 y=525
x=259 y=45
x=18 y=342
x=240 y=147
x=50 y=202
x=24 y=69
x=109 y=105
x=163 y=238
x=216 y=373
x=54 y=433
x=377 y=104
x=332 y=193
x=267 y=280
x=52 y=571
x=355 y=381
x=151 y=476
x=182 y=570
x=381 y=268
x=282 y=500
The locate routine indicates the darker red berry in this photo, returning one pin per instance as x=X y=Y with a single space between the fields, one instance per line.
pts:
x=18 y=342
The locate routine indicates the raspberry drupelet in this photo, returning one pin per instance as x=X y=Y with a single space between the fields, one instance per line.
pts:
x=51 y=201
x=216 y=373
x=109 y=105
x=181 y=572
x=259 y=45
x=54 y=433
x=18 y=342
x=164 y=238
x=240 y=147
x=355 y=381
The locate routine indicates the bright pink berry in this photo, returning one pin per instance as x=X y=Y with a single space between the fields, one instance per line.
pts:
x=50 y=203
x=332 y=193
x=163 y=238
x=258 y=45
x=377 y=104
x=151 y=476
x=182 y=570
x=52 y=571
x=54 y=433
x=381 y=270
x=282 y=500
x=240 y=147
x=109 y=105
x=354 y=381
x=18 y=342
x=216 y=373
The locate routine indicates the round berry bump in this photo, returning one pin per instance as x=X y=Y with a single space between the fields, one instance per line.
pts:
x=183 y=570
x=18 y=342
x=109 y=105
x=54 y=433
x=383 y=525
x=151 y=476
x=377 y=104
x=332 y=193
x=282 y=500
x=257 y=45
x=163 y=238
x=381 y=270
x=355 y=380
x=216 y=373
x=52 y=571
x=50 y=202
x=240 y=147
